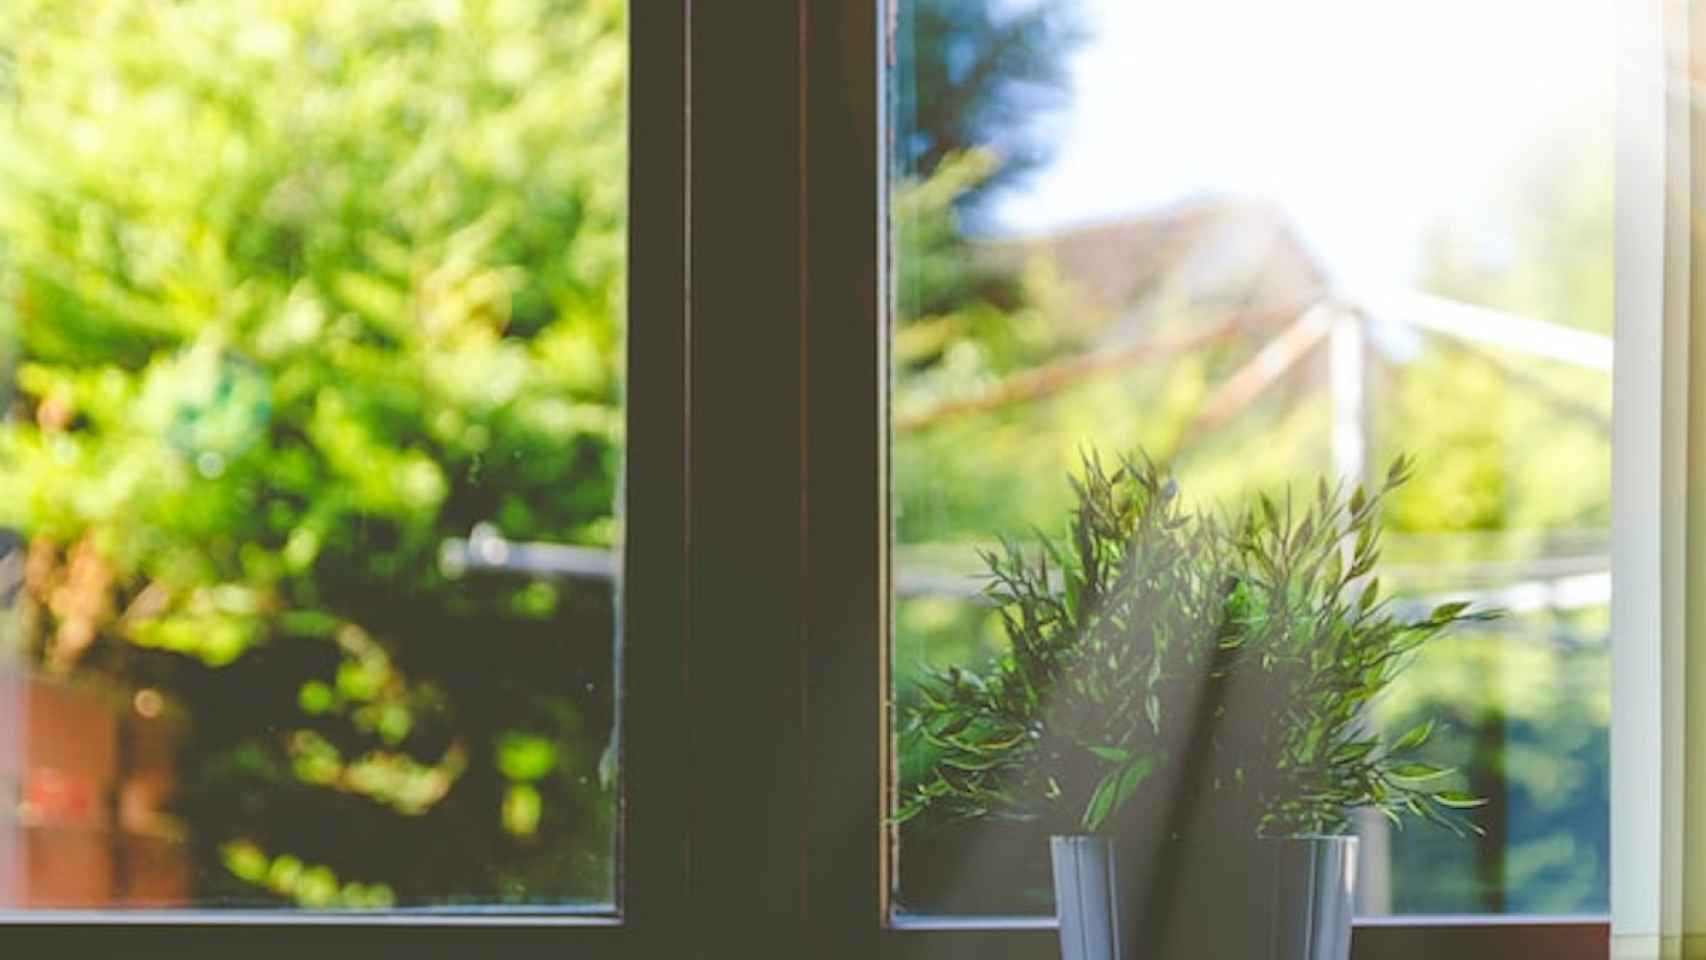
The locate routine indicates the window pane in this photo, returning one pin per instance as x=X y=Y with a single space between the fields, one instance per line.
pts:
x=1262 y=245
x=311 y=353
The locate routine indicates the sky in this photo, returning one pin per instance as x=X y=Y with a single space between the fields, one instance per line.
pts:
x=1365 y=120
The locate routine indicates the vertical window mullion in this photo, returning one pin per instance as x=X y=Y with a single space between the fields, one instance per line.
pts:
x=652 y=863
x=741 y=717
x=846 y=476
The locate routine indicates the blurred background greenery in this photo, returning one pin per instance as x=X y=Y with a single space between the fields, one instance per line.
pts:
x=295 y=292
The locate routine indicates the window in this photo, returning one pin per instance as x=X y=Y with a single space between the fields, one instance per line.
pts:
x=756 y=767
x=314 y=454
x=1187 y=233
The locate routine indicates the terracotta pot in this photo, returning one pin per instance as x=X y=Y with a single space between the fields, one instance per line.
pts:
x=84 y=779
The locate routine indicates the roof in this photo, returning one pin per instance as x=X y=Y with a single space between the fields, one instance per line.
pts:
x=1205 y=254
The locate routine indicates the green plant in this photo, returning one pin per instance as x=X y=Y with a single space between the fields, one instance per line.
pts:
x=1162 y=660
x=298 y=291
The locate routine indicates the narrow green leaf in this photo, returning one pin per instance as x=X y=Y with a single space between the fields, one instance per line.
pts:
x=1448 y=611
x=1414 y=737
x=1418 y=771
x=955 y=726
x=1130 y=778
x=1269 y=511
x=1458 y=800
x=970 y=764
x=1351 y=752
x=1370 y=594
x=1101 y=802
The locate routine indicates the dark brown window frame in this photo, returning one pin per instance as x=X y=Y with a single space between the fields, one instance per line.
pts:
x=845 y=272
x=756 y=607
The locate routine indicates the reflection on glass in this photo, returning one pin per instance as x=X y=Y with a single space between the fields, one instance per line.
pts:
x=310 y=358
x=1261 y=243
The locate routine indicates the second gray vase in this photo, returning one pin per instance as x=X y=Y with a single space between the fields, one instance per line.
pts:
x=1287 y=899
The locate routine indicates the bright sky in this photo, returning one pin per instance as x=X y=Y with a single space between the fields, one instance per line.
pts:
x=1364 y=119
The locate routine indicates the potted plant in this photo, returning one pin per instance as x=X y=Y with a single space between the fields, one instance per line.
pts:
x=1183 y=706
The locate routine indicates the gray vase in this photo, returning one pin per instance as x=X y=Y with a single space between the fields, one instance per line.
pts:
x=1091 y=904
x=1287 y=899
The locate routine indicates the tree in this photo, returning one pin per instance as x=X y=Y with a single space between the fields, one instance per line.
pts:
x=300 y=291
x=1519 y=459
x=980 y=75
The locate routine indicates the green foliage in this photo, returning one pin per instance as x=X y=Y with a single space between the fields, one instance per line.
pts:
x=981 y=75
x=937 y=272
x=1531 y=712
x=314 y=887
x=300 y=290
x=1069 y=721
x=1236 y=660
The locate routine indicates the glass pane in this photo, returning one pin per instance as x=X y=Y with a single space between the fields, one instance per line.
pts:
x=311 y=348
x=1262 y=245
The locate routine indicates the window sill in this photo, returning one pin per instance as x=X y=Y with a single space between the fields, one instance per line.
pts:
x=1508 y=937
